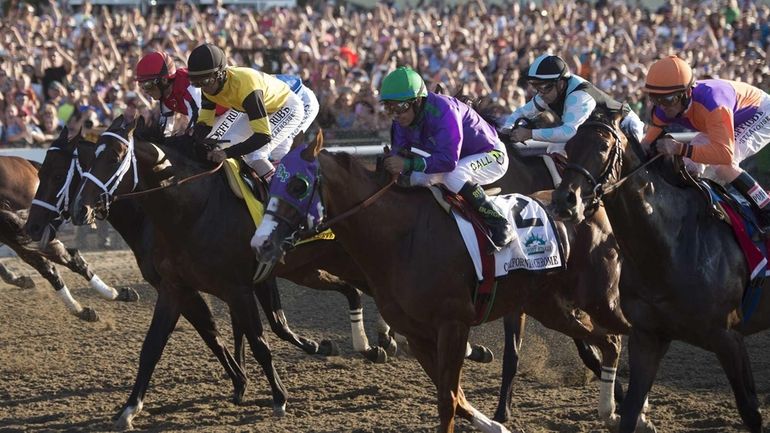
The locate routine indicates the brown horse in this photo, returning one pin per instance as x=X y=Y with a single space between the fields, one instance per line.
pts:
x=18 y=183
x=188 y=232
x=684 y=274
x=422 y=283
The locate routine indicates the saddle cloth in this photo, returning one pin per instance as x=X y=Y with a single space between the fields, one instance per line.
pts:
x=536 y=247
x=740 y=217
x=256 y=208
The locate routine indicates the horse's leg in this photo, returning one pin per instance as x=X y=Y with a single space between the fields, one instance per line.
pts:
x=267 y=293
x=610 y=346
x=197 y=312
x=591 y=360
x=49 y=272
x=238 y=348
x=71 y=258
x=478 y=419
x=645 y=351
x=385 y=336
x=322 y=280
x=23 y=281
x=244 y=308
x=513 y=325
x=731 y=351
x=164 y=319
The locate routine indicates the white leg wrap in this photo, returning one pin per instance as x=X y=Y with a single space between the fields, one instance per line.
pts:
x=607 y=393
x=481 y=422
x=468 y=349
x=360 y=342
x=72 y=305
x=103 y=289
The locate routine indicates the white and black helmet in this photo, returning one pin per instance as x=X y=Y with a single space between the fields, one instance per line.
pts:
x=548 y=67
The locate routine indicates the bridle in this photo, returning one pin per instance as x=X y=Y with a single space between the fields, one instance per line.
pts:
x=63 y=195
x=599 y=186
x=108 y=188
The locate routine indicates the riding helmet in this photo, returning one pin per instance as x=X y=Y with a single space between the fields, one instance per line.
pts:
x=668 y=75
x=155 y=65
x=403 y=84
x=205 y=59
x=548 y=67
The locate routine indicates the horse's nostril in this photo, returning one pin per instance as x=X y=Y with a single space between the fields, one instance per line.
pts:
x=572 y=198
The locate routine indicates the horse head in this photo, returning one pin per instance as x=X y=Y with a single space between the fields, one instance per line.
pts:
x=49 y=207
x=595 y=155
x=114 y=158
x=294 y=204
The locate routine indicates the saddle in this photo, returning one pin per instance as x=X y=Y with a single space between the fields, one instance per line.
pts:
x=256 y=184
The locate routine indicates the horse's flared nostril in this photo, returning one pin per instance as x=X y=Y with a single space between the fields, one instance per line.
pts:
x=571 y=199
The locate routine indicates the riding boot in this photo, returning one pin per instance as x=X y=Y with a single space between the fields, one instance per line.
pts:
x=757 y=196
x=501 y=232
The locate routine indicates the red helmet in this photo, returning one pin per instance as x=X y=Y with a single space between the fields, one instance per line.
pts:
x=155 y=65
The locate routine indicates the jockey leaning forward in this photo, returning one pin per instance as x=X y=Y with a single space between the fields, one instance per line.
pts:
x=263 y=111
x=733 y=120
x=309 y=103
x=162 y=81
x=464 y=149
x=570 y=97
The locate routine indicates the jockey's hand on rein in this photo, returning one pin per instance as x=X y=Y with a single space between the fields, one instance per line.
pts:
x=668 y=146
x=394 y=164
x=520 y=134
x=216 y=156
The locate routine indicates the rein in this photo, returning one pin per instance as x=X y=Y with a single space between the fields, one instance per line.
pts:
x=361 y=206
x=169 y=185
x=598 y=186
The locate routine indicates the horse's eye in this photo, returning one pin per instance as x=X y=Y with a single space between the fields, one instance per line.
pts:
x=298 y=187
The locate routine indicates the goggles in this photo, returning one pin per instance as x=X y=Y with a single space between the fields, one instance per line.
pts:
x=149 y=84
x=393 y=107
x=666 y=100
x=205 y=82
x=543 y=86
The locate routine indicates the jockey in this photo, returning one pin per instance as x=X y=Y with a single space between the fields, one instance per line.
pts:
x=263 y=111
x=464 y=150
x=309 y=102
x=568 y=96
x=733 y=119
x=158 y=77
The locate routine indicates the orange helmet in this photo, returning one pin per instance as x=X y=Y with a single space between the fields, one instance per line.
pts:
x=155 y=65
x=668 y=75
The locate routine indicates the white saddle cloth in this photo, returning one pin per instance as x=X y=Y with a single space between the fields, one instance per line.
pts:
x=536 y=246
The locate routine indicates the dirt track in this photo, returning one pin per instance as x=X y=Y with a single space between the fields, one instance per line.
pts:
x=60 y=374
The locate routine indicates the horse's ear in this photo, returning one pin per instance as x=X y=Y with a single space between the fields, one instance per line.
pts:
x=117 y=123
x=311 y=152
x=139 y=123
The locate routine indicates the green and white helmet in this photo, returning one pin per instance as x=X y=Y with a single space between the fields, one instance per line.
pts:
x=403 y=84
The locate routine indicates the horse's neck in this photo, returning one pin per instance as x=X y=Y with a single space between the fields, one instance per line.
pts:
x=169 y=205
x=382 y=225
x=649 y=215
x=525 y=176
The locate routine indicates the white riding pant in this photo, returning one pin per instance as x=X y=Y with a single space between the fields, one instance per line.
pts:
x=310 y=104
x=284 y=125
x=750 y=137
x=482 y=168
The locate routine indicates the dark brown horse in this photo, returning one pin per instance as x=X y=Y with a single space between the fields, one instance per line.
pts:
x=683 y=272
x=18 y=182
x=188 y=232
x=422 y=281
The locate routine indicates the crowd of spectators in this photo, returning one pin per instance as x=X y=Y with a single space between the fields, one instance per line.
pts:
x=74 y=66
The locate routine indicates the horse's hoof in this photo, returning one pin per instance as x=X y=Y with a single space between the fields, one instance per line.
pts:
x=403 y=350
x=238 y=392
x=376 y=355
x=279 y=410
x=126 y=416
x=24 y=282
x=88 y=314
x=328 y=348
x=481 y=355
x=127 y=294
x=502 y=416
x=388 y=343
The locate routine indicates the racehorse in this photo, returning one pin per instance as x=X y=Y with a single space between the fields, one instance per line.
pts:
x=683 y=273
x=431 y=307
x=184 y=236
x=18 y=182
